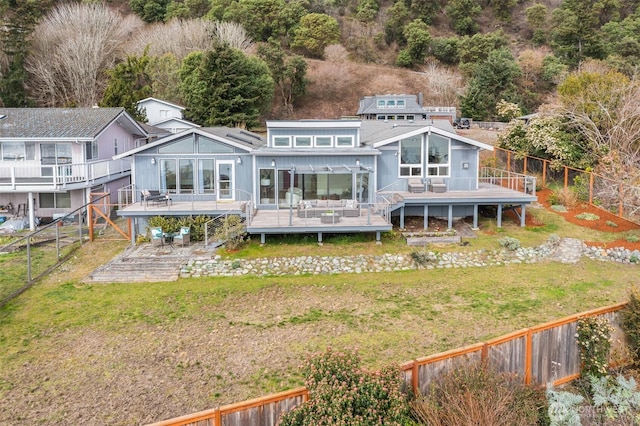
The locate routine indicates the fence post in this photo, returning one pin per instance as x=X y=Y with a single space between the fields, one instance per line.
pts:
x=590 y=188
x=509 y=160
x=620 y=206
x=90 y=221
x=544 y=173
x=524 y=165
x=29 y=260
x=566 y=177
x=528 y=351
x=58 y=239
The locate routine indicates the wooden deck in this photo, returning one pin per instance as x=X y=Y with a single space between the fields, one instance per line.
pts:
x=183 y=208
x=284 y=221
x=485 y=194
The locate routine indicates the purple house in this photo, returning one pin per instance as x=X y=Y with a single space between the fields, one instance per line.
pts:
x=52 y=159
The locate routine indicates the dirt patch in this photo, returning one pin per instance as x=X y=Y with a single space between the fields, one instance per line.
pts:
x=598 y=220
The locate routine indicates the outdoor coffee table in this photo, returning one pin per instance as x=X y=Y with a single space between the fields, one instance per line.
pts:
x=329 y=217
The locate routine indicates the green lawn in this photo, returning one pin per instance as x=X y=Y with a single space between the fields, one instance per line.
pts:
x=137 y=353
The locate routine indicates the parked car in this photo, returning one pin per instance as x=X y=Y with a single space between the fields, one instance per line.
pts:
x=462 y=123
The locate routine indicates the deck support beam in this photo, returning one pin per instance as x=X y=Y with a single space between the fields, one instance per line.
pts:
x=475 y=217
x=263 y=238
x=522 y=215
x=402 y=217
x=426 y=216
x=319 y=237
x=499 y=216
x=378 y=237
x=450 y=217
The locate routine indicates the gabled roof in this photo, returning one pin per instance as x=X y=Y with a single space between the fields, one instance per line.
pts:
x=62 y=123
x=239 y=138
x=369 y=105
x=162 y=102
x=380 y=133
x=176 y=119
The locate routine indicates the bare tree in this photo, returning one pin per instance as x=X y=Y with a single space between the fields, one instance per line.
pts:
x=73 y=46
x=445 y=85
x=178 y=37
x=233 y=34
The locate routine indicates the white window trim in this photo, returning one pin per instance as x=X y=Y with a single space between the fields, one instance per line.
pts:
x=295 y=141
x=315 y=142
x=338 y=145
x=438 y=165
x=288 y=138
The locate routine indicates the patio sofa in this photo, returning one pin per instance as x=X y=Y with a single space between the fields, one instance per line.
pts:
x=154 y=196
x=315 y=208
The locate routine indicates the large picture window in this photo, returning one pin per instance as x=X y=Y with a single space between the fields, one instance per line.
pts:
x=168 y=181
x=411 y=156
x=438 y=158
x=185 y=183
x=207 y=178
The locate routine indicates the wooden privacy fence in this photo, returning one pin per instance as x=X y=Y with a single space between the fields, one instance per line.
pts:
x=541 y=354
x=621 y=199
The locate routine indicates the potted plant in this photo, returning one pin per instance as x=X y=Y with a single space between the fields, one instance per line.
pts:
x=265 y=179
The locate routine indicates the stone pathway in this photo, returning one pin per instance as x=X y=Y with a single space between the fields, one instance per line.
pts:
x=569 y=250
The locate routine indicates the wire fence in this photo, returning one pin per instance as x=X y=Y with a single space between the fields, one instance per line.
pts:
x=27 y=258
x=613 y=196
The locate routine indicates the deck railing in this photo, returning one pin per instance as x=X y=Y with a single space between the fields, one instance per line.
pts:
x=52 y=176
x=546 y=353
x=508 y=179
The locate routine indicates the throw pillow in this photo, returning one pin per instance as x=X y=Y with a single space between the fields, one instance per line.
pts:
x=308 y=204
x=350 y=204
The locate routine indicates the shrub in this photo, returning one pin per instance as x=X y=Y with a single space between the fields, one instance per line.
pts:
x=587 y=216
x=630 y=323
x=632 y=238
x=509 y=243
x=423 y=257
x=341 y=393
x=594 y=339
x=612 y=224
x=564 y=196
x=232 y=231
x=479 y=395
x=563 y=407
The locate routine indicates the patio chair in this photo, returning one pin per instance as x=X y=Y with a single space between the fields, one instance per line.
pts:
x=157 y=236
x=416 y=185
x=184 y=236
x=437 y=185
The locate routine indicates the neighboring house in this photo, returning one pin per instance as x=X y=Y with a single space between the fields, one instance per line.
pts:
x=401 y=107
x=165 y=115
x=321 y=176
x=51 y=159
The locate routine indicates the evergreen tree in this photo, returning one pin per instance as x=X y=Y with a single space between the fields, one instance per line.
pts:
x=19 y=18
x=493 y=80
x=223 y=87
x=128 y=83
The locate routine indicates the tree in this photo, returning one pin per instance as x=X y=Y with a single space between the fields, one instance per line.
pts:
x=604 y=108
x=73 y=47
x=129 y=82
x=536 y=20
x=316 y=31
x=223 y=87
x=289 y=74
x=398 y=17
x=474 y=50
x=177 y=37
x=418 y=40
x=150 y=10
x=262 y=19
x=493 y=79
x=576 y=24
x=19 y=18
x=462 y=15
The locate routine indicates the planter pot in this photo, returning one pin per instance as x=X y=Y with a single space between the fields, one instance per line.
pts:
x=265 y=182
